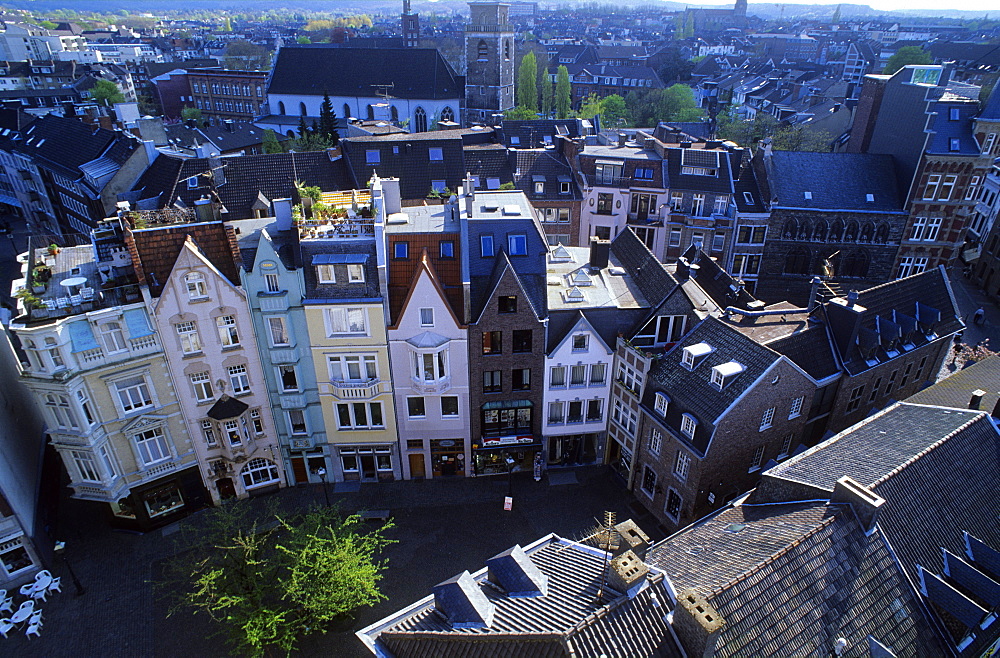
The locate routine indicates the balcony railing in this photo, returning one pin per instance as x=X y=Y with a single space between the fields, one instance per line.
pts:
x=430 y=386
x=354 y=390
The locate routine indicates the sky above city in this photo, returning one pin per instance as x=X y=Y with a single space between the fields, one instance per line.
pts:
x=991 y=6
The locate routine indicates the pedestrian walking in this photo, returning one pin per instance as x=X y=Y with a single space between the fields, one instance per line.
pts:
x=978 y=316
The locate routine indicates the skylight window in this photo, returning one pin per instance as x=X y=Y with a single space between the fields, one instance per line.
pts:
x=694 y=352
x=808 y=195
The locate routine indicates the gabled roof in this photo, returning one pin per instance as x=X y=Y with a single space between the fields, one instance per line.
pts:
x=950 y=136
x=546 y=166
x=315 y=251
x=691 y=391
x=65 y=144
x=991 y=111
x=407 y=157
x=409 y=73
x=533 y=287
x=790 y=579
x=652 y=277
x=956 y=389
x=155 y=250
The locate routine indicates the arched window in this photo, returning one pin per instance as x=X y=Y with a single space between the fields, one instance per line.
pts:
x=819 y=231
x=855 y=264
x=791 y=230
x=882 y=233
x=281 y=108
x=259 y=472
x=506 y=50
x=804 y=230
x=851 y=234
x=797 y=261
x=837 y=231
x=447 y=114
x=347 y=110
x=302 y=109
x=867 y=232
x=420 y=120
x=370 y=112
x=394 y=113
x=484 y=51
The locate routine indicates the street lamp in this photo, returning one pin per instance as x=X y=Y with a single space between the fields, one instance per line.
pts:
x=321 y=472
x=510 y=476
x=60 y=550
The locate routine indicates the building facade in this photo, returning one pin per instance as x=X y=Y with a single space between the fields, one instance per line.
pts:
x=489 y=62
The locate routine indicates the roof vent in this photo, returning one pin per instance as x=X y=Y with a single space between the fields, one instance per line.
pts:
x=514 y=571
x=512 y=209
x=463 y=603
x=870 y=198
x=977 y=398
x=808 y=195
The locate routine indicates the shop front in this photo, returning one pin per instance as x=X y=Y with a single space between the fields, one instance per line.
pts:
x=573 y=449
x=370 y=463
x=306 y=466
x=490 y=454
x=448 y=457
x=161 y=502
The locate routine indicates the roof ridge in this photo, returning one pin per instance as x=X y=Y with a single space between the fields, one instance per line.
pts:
x=913 y=458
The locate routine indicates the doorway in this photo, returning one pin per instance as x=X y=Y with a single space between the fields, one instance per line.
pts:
x=299 y=470
x=226 y=488
x=368 y=472
x=417 y=466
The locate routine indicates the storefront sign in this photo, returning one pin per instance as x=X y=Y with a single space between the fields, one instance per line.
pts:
x=508 y=503
x=508 y=440
x=447 y=443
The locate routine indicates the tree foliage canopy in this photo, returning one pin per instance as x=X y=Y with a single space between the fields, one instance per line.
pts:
x=907 y=55
x=268 y=581
x=520 y=113
x=563 y=90
x=783 y=137
x=106 y=93
x=650 y=106
x=242 y=55
x=527 y=91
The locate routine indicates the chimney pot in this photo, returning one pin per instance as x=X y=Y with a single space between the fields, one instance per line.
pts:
x=865 y=502
x=599 y=253
x=977 y=398
x=697 y=624
x=852 y=297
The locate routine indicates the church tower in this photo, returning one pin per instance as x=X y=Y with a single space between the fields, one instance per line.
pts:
x=740 y=10
x=411 y=26
x=489 y=62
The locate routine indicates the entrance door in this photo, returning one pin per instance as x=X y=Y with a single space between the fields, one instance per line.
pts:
x=299 y=470
x=226 y=488
x=417 y=465
x=368 y=472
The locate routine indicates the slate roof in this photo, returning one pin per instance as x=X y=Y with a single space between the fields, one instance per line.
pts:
x=747 y=184
x=243 y=135
x=488 y=161
x=273 y=174
x=836 y=181
x=718 y=284
x=811 y=350
x=956 y=389
x=896 y=302
x=414 y=73
x=532 y=164
x=991 y=111
x=793 y=579
x=691 y=391
x=652 y=277
x=65 y=144
x=565 y=621
x=407 y=157
x=944 y=130
x=317 y=292
x=530 y=133
x=721 y=183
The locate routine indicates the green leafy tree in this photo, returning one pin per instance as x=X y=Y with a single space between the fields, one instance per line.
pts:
x=227 y=25
x=270 y=143
x=650 y=106
x=106 y=93
x=591 y=107
x=520 y=113
x=905 y=56
x=242 y=55
x=328 y=121
x=793 y=138
x=268 y=581
x=527 y=74
x=190 y=113
x=613 y=110
x=563 y=90
x=546 y=85
x=304 y=40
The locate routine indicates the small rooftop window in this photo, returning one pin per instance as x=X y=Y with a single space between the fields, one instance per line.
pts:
x=808 y=195
x=695 y=352
x=721 y=373
x=870 y=198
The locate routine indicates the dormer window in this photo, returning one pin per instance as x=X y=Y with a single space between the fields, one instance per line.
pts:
x=660 y=404
x=692 y=354
x=724 y=373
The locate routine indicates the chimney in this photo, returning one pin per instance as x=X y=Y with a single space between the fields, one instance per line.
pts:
x=686 y=145
x=205 y=210
x=977 y=399
x=863 y=501
x=622 y=139
x=683 y=270
x=69 y=109
x=852 y=298
x=230 y=125
x=470 y=194
x=151 y=151
x=599 y=253
x=627 y=573
x=633 y=538
x=516 y=574
x=391 y=196
x=697 y=624
x=463 y=603
x=282 y=209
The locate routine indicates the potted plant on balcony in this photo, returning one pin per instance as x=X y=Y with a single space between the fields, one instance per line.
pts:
x=28 y=298
x=53 y=249
x=40 y=276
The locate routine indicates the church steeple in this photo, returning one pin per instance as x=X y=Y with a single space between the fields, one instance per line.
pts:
x=411 y=26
